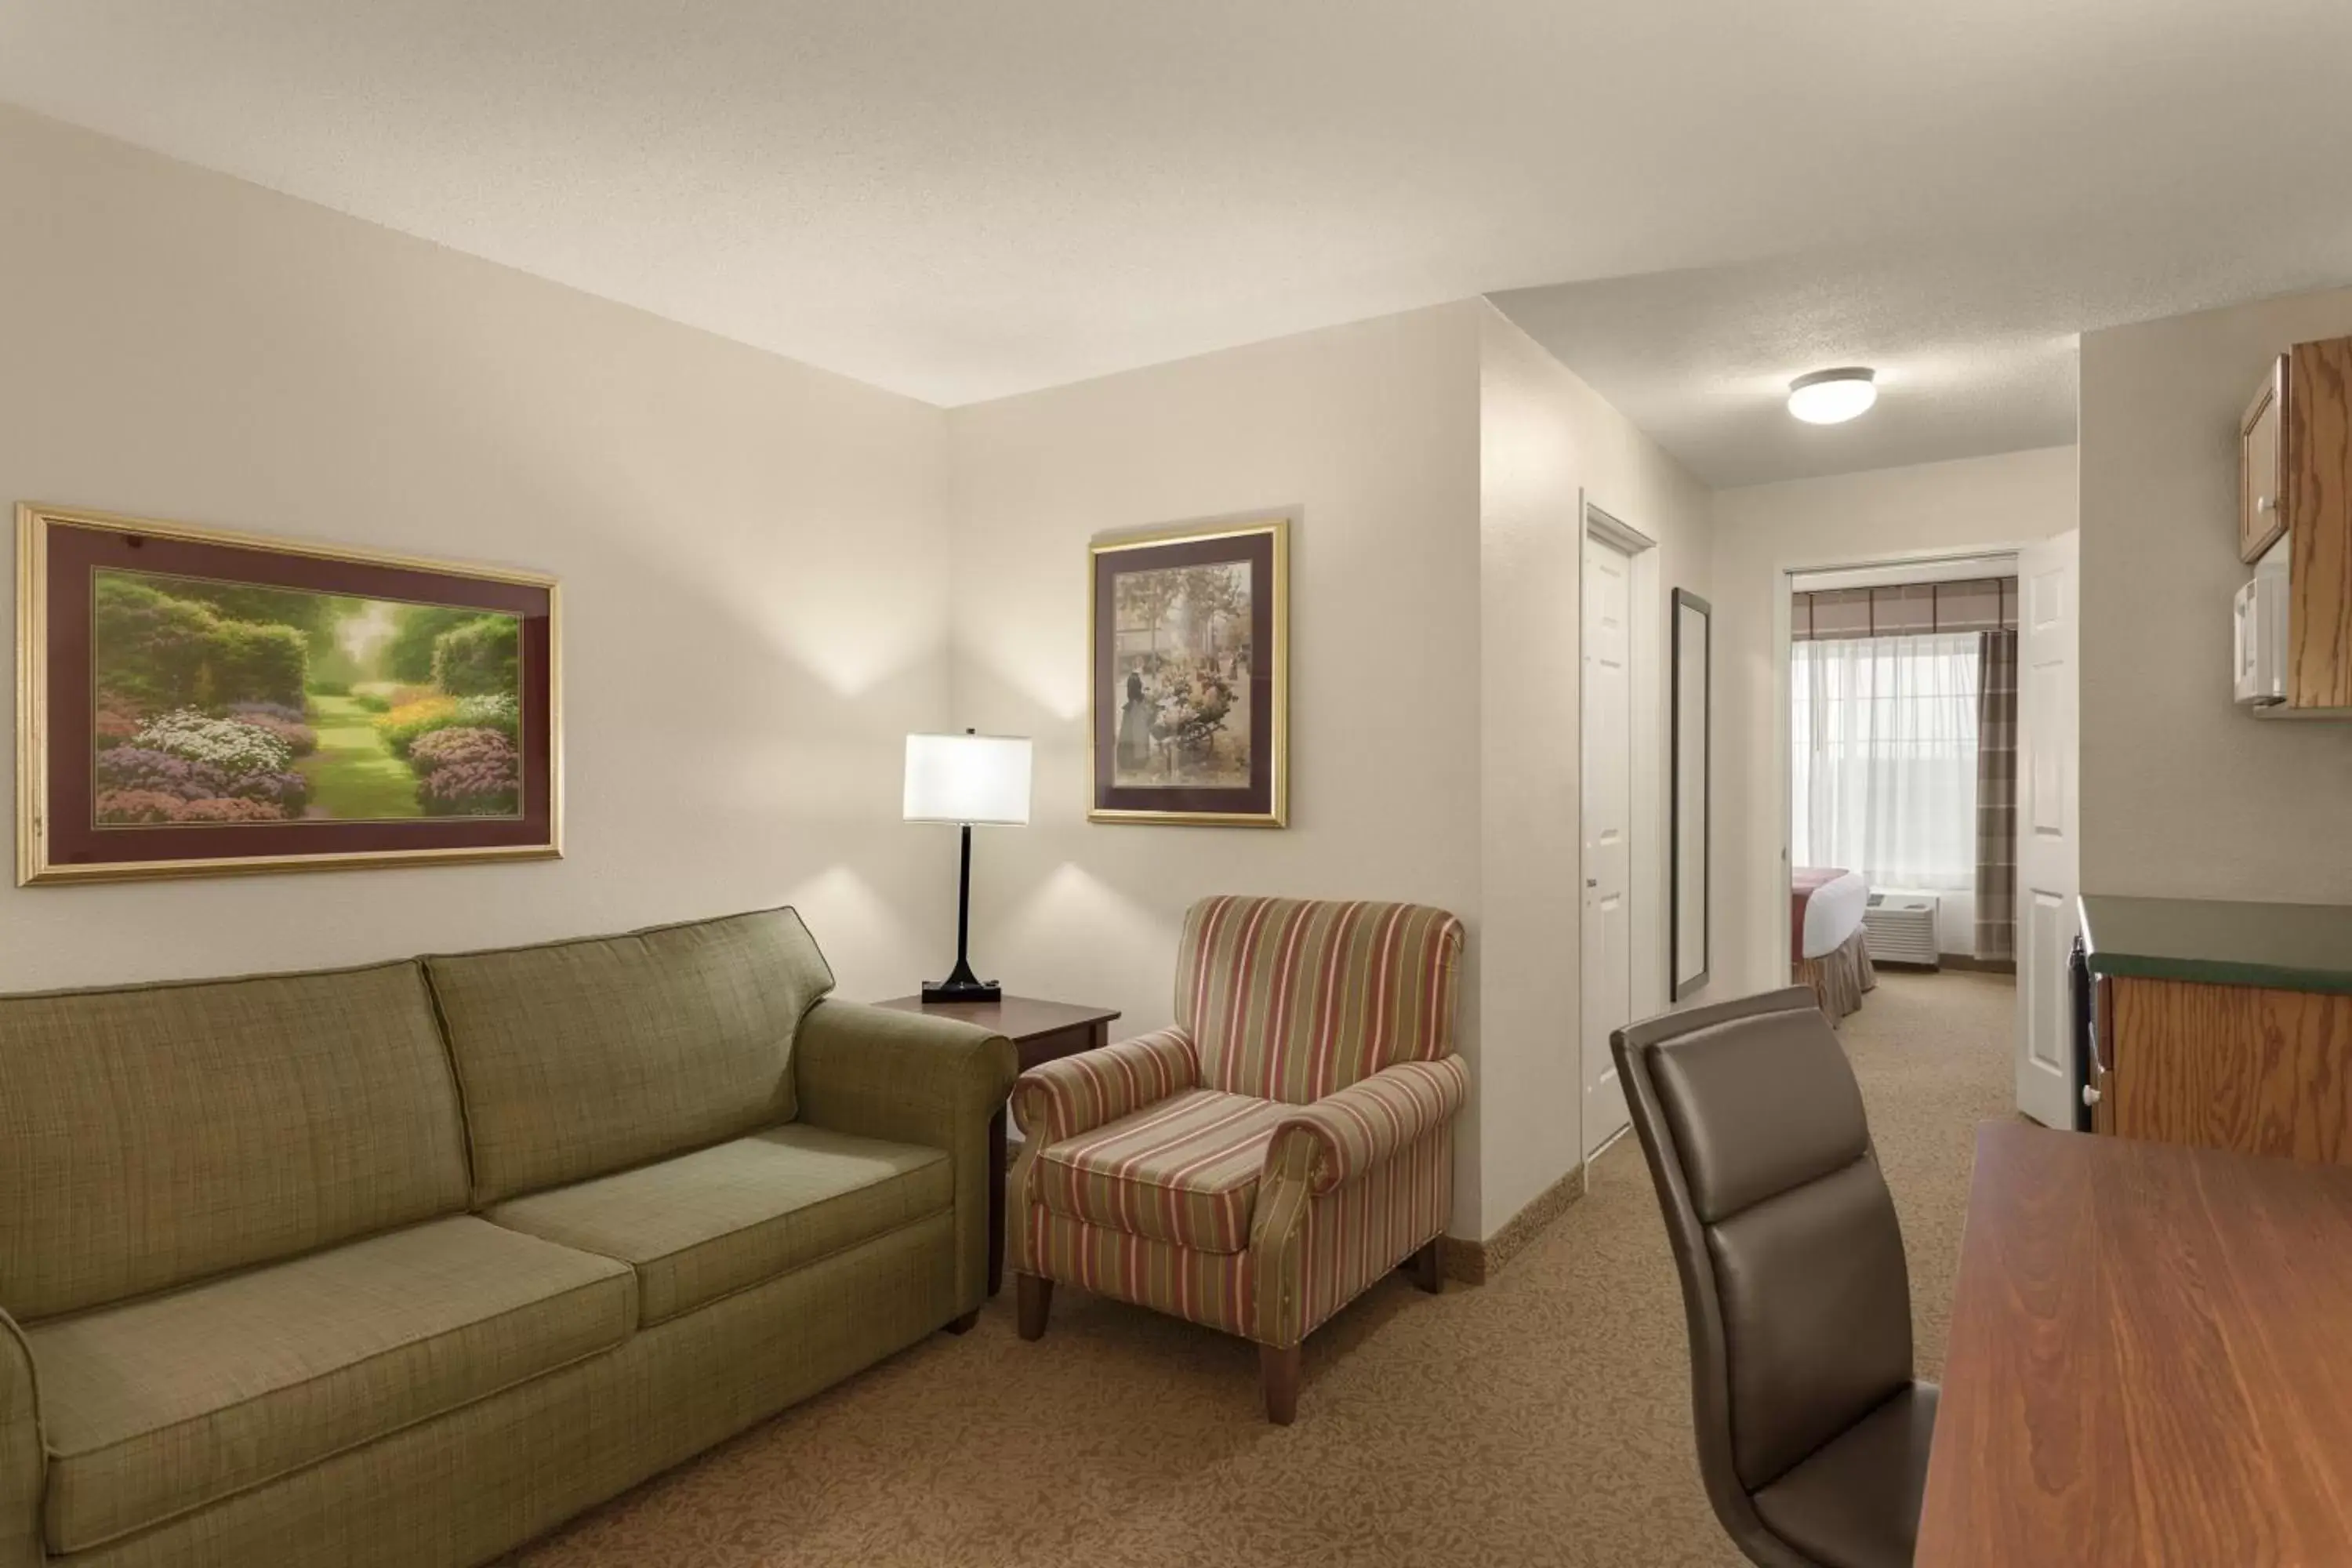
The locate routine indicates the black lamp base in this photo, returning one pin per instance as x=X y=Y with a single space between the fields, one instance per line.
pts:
x=962 y=985
x=953 y=990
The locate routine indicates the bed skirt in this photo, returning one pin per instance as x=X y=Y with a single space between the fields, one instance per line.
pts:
x=1839 y=977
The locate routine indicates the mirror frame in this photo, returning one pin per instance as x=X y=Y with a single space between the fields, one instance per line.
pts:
x=1684 y=837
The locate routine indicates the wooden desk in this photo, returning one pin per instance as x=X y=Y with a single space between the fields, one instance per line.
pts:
x=1040 y=1032
x=2148 y=1360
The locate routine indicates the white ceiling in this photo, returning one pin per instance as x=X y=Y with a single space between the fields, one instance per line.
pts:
x=1973 y=338
x=965 y=200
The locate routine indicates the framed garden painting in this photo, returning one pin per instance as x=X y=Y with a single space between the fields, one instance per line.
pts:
x=193 y=702
x=1191 y=676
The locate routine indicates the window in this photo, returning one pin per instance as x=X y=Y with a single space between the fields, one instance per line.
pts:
x=1884 y=749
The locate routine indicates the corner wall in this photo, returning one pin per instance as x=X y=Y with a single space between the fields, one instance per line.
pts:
x=754 y=556
x=1433 y=463
x=1368 y=436
x=1548 y=443
x=2184 y=794
x=1761 y=532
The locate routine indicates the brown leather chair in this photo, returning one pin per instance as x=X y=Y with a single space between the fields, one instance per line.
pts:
x=1812 y=1434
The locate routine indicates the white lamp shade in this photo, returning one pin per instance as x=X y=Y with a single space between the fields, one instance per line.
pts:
x=979 y=779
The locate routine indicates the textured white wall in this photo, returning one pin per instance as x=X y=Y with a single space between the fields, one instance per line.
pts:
x=2184 y=794
x=753 y=553
x=1761 y=533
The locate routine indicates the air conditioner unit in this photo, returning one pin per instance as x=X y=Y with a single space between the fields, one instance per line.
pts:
x=1900 y=928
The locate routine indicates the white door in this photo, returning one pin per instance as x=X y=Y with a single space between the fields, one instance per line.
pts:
x=2048 y=727
x=1608 y=830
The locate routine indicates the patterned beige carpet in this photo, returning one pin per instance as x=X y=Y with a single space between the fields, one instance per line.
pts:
x=1542 y=1419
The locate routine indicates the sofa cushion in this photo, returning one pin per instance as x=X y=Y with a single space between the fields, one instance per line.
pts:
x=581 y=1057
x=702 y=1226
x=151 y=1136
x=155 y=1407
x=1184 y=1170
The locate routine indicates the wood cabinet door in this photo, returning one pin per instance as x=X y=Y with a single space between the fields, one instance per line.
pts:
x=2262 y=473
x=2317 y=440
x=2232 y=1067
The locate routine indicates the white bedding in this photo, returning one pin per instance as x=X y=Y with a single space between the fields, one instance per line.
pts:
x=1833 y=914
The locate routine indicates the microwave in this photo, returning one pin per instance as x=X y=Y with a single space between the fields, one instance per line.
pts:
x=2261 y=637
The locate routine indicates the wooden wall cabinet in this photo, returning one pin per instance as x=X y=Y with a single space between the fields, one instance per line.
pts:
x=2241 y=1068
x=2295 y=478
x=2261 y=467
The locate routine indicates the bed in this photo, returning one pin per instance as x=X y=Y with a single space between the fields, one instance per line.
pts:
x=1825 y=938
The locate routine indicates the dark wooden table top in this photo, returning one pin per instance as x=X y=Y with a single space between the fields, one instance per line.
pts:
x=1014 y=1017
x=2149 y=1360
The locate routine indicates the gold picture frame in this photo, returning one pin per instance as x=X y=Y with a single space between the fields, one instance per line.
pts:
x=60 y=836
x=1242 y=661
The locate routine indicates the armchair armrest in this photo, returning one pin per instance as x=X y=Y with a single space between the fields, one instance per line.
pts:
x=23 y=1458
x=911 y=1077
x=1061 y=1099
x=1344 y=1134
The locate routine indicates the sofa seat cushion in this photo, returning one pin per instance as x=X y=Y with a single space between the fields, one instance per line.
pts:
x=158 y=1406
x=1183 y=1170
x=705 y=1224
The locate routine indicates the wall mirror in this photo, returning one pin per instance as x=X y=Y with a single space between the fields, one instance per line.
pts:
x=1687 y=882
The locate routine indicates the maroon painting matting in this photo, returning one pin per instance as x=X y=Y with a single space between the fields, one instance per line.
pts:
x=1255 y=798
x=75 y=554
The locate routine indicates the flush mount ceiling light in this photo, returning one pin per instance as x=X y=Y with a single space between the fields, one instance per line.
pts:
x=1833 y=397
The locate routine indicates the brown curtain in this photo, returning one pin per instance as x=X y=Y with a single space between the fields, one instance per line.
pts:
x=1997 y=796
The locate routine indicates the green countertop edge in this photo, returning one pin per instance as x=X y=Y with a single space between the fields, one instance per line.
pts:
x=2293 y=925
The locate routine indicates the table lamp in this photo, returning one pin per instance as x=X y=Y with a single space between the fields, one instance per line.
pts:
x=969 y=780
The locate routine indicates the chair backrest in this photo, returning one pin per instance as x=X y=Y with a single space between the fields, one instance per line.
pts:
x=1792 y=1260
x=1290 y=999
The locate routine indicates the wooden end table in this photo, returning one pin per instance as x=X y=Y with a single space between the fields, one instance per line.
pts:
x=1040 y=1032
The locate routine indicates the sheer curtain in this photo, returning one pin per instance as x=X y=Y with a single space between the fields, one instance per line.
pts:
x=1885 y=747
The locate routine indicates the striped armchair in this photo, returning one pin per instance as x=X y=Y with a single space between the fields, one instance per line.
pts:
x=1288 y=1142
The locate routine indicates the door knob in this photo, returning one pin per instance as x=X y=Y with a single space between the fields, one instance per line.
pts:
x=2090 y=1095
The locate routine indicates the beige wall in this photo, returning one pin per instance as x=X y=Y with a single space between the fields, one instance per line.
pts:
x=753 y=553
x=1368 y=436
x=1761 y=532
x=1546 y=440
x=2184 y=794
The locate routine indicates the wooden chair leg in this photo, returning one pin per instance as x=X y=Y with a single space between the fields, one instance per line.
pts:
x=1427 y=1267
x=1278 y=1372
x=1034 y=1297
x=964 y=1324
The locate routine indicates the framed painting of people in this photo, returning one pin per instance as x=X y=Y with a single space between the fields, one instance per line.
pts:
x=1191 y=676
x=194 y=702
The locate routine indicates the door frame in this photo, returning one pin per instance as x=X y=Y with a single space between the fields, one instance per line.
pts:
x=1646 y=738
x=1780 y=968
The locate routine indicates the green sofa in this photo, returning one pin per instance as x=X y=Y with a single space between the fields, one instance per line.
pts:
x=407 y=1264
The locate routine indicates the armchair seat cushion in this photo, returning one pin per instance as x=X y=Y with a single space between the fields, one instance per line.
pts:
x=1184 y=1170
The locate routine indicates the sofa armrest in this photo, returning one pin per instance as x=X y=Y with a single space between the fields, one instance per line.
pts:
x=24 y=1457
x=911 y=1077
x=1075 y=1094
x=1344 y=1134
